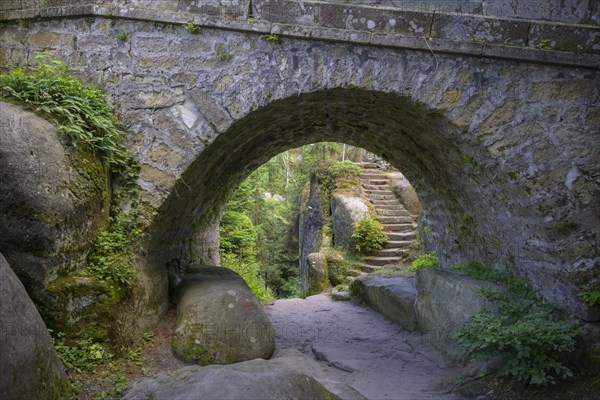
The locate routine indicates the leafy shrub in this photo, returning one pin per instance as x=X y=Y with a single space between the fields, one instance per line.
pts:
x=590 y=297
x=426 y=260
x=521 y=329
x=80 y=111
x=84 y=355
x=113 y=255
x=368 y=235
x=249 y=271
x=528 y=337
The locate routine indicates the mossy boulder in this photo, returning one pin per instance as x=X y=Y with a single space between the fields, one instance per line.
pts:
x=318 y=277
x=29 y=365
x=54 y=200
x=345 y=213
x=219 y=320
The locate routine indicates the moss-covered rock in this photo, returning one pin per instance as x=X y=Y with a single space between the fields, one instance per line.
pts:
x=54 y=200
x=318 y=276
x=219 y=320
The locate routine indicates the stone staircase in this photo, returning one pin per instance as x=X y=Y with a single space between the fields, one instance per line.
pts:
x=398 y=224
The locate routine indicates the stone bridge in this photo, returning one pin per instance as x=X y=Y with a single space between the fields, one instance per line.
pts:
x=490 y=108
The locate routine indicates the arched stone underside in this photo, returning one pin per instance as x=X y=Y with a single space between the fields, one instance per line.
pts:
x=504 y=155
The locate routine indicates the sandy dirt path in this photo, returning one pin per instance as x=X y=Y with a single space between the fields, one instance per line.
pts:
x=360 y=347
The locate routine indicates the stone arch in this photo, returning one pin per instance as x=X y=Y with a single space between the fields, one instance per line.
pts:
x=511 y=146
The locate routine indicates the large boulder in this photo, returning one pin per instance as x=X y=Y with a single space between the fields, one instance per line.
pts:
x=394 y=297
x=345 y=213
x=219 y=320
x=29 y=365
x=445 y=300
x=289 y=375
x=54 y=199
x=311 y=223
x=318 y=277
x=405 y=193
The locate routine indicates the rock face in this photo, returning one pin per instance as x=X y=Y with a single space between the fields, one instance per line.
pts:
x=219 y=320
x=318 y=277
x=312 y=220
x=287 y=376
x=405 y=193
x=53 y=202
x=29 y=365
x=394 y=297
x=346 y=212
x=445 y=300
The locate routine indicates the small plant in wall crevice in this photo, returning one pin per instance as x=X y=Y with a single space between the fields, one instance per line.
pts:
x=272 y=37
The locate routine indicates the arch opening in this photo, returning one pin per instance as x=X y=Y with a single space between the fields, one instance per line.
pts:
x=465 y=212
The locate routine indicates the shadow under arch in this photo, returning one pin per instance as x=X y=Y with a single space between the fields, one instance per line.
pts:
x=420 y=142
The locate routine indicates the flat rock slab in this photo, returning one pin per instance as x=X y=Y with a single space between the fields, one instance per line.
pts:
x=393 y=297
x=219 y=320
x=360 y=347
x=287 y=376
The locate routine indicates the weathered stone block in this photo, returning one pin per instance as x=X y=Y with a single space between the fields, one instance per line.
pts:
x=394 y=297
x=44 y=39
x=445 y=300
x=345 y=213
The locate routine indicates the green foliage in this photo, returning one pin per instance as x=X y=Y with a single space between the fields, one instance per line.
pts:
x=426 y=260
x=273 y=38
x=113 y=256
x=80 y=111
x=528 y=336
x=590 y=296
x=191 y=28
x=368 y=235
x=249 y=270
x=84 y=355
x=521 y=329
x=122 y=36
x=331 y=173
x=238 y=233
x=221 y=52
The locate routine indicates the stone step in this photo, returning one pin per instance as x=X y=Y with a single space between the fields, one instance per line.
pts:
x=368 y=268
x=394 y=220
x=385 y=192
x=381 y=182
x=398 y=228
x=385 y=202
x=401 y=244
x=369 y=177
x=393 y=252
x=376 y=187
x=398 y=212
x=382 y=197
x=381 y=261
x=401 y=236
x=397 y=206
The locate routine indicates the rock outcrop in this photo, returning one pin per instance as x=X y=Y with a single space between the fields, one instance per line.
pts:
x=318 y=277
x=29 y=365
x=219 y=320
x=405 y=193
x=394 y=297
x=346 y=212
x=312 y=221
x=54 y=199
x=289 y=375
x=445 y=300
